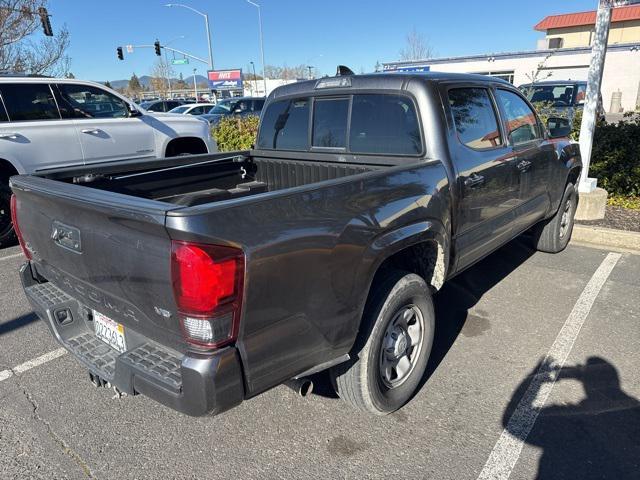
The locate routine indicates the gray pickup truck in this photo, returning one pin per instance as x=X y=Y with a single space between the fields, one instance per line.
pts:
x=201 y=281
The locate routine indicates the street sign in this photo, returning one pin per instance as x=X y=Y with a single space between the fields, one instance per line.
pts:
x=225 y=79
x=180 y=61
x=129 y=48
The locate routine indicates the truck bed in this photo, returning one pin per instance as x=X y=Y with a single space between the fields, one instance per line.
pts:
x=206 y=180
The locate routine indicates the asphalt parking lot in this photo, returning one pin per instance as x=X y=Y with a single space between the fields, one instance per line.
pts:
x=491 y=406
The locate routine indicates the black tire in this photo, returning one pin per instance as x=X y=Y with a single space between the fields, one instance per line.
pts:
x=7 y=233
x=553 y=235
x=361 y=381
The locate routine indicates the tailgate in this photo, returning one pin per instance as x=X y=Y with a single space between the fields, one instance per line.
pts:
x=109 y=251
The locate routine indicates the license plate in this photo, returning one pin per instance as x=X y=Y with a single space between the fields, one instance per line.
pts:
x=109 y=331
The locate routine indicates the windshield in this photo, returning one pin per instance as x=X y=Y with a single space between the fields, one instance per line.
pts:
x=223 y=107
x=180 y=109
x=557 y=95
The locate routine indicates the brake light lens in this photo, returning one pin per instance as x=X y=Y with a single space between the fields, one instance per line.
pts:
x=16 y=227
x=207 y=285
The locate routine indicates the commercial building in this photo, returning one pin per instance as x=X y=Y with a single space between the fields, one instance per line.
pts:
x=563 y=54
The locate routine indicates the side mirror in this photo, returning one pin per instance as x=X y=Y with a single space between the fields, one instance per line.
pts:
x=558 y=127
x=133 y=111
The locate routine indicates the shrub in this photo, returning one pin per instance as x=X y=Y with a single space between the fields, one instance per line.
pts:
x=615 y=157
x=236 y=133
x=625 y=202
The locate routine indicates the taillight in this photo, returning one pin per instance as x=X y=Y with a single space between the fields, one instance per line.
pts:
x=16 y=227
x=207 y=285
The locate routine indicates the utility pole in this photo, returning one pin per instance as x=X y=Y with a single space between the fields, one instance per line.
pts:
x=596 y=68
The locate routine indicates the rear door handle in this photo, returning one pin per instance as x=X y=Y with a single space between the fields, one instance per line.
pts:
x=10 y=136
x=524 y=165
x=473 y=180
x=90 y=131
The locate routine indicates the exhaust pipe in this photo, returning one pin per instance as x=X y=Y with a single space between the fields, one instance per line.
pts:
x=302 y=386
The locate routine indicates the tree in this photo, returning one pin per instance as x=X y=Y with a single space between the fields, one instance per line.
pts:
x=377 y=67
x=160 y=72
x=134 y=87
x=23 y=48
x=108 y=84
x=416 y=47
x=286 y=73
x=539 y=74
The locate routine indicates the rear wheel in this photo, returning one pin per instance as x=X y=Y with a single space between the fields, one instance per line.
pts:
x=553 y=235
x=390 y=356
x=7 y=234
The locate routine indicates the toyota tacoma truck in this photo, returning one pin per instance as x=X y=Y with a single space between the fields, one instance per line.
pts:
x=204 y=280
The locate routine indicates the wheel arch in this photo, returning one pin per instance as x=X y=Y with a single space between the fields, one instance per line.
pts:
x=8 y=169
x=422 y=248
x=191 y=144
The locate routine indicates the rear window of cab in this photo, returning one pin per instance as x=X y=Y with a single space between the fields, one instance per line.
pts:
x=381 y=124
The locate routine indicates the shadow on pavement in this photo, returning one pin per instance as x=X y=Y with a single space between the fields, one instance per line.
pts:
x=18 y=322
x=598 y=437
x=453 y=303
x=459 y=295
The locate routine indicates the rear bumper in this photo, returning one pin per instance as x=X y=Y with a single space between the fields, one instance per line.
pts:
x=191 y=383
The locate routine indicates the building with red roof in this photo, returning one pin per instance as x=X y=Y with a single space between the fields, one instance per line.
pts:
x=561 y=57
x=571 y=30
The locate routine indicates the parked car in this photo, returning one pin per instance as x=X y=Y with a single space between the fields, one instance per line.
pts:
x=48 y=122
x=241 y=106
x=203 y=281
x=159 y=106
x=563 y=97
x=193 y=108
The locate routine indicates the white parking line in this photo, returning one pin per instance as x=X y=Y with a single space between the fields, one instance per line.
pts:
x=507 y=449
x=15 y=255
x=28 y=365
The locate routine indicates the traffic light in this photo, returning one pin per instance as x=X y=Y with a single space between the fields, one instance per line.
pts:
x=157 y=47
x=44 y=19
x=120 y=55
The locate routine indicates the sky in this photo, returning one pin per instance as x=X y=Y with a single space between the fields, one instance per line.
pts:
x=322 y=33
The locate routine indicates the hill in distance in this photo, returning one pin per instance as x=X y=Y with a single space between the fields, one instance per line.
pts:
x=145 y=81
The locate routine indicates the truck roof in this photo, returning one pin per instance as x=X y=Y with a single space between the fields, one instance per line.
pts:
x=386 y=80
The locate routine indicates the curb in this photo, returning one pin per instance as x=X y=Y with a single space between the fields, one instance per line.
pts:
x=606 y=237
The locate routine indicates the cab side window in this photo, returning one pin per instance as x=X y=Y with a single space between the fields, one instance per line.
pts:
x=475 y=118
x=522 y=125
x=84 y=101
x=29 y=101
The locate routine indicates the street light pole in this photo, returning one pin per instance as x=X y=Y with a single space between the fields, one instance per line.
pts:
x=166 y=63
x=206 y=21
x=264 y=77
x=255 y=79
x=195 y=85
x=166 y=66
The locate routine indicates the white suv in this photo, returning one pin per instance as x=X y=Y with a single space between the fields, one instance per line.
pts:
x=49 y=123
